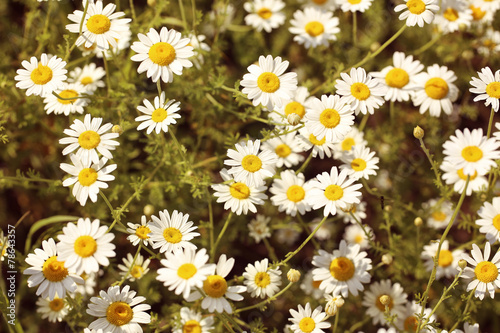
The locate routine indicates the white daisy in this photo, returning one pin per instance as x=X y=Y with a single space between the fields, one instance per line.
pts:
x=487 y=87
x=261 y=281
x=89 y=283
x=171 y=233
x=314 y=27
x=417 y=12
x=360 y=163
x=297 y=105
x=355 y=5
x=354 y=234
x=89 y=76
x=321 y=148
x=321 y=4
x=291 y=193
x=325 y=230
x=397 y=301
x=457 y=178
x=139 y=232
x=137 y=271
x=258 y=228
x=76 y=103
x=162 y=54
x=454 y=15
x=192 y=321
x=311 y=287
x=484 y=272
x=158 y=116
x=448 y=260
x=358 y=210
x=489 y=42
x=288 y=235
x=488 y=5
x=286 y=148
x=353 y=138
x=123 y=43
x=308 y=321
x=489 y=220
x=440 y=213
x=199 y=47
x=409 y=322
x=480 y=17
x=54 y=310
x=264 y=14
x=42 y=77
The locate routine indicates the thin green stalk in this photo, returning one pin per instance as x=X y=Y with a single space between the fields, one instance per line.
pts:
x=45 y=27
x=305 y=164
x=193 y=7
x=490 y=123
x=363 y=122
x=132 y=9
x=358 y=222
x=183 y=15
x=232 y=321
x=270 y=250
x=306 y=229
x=467 y=304
x=427 y=45
x=66 y=56
x=158 y=86
x=131 y=266
x=336 y=321
x=65 y=98
x=108 y=79
x=210 y=217
x=178 y=145
x=433 y=165
x=107 y=202
x=354 y=29
x=226 y=224
x=223 y=321
x=266 y=301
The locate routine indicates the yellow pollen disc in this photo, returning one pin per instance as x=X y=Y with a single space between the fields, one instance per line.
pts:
x=251 y=163
x=119 y=313
x=381 y=306
x=358 y=164
x=56 y=305
x=493 y=89
x=334 y=192
x=342 y=269
x=477 y=13
x=191 y=326
x=89 y=140
x=295 y=107
x=186 y=271
x=360 y=91
x=461 y=174
x=87 y=177
x=486 y=272
x=295 y=193
x=307 y=324
x=142 y=232
x=397 y=78
x=172 y=235
x=315 y=141
x=98 y=24
x=137 y=271
x=436 y=88
x=239 y=191
x=68 y=93
x=496 y=222
x=159 y=115
x=348 y=143
x=445 y=258
x=329 y=118
x=450 y=14
x=41 y=75
x=262 y=279
x=438 y=216
x=416 y=7
x=86 y=80
x=54 y=270
x=358 y=239
x=489 y=44
x=283 y=150
x=314 y=28
x=472 y=153
x=85 y=246
x=354 y=2
x=162 y=53
x=319 y=2
x=411 y=324
x=315 y=284
x=265 y=13
x=215 y=286
x=268 y=82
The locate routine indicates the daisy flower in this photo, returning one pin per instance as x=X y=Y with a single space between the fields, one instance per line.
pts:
x=454 y=15
x=435 y=90
x=409 y=321
x=342 y=271
x=162 y=54
x=268 y=84
x=467 y=329
x=137 y=271
x=314 y=27
x=324 y=232
x=171 y=233
x=54 y=310
x=487 y=87
x=333 y=190
x=489 y=42
x=89 y=76
x=297 y=105
x=488 y=5
x=63 y=106
x=360 y=163
x=321 y=4
x=86 y=178
x=457 y=178
x=288 y=235
x=479 y=16
x=196 y=41
x=291 y=193
x=360 y=91
x=417 y=11
x=320 y=148
x=484 y=272
x=355 y=5
x=123 y=43
x=258 y=228
x=139 y=232
x=118 y=311
x=100 y=25
x=440 y=213
x=192 y=321
x=42 y=77
x=397 y=301
x=50 y=274
x=264 y=14
x=311 y=287
x=261 y=281
x=353 y=138
x=89 y=137
x=286 y=148
x=489 y=220
x=354 y=234
x=448 y=260
x=308 y=321
x=89 y=283
x=159 y=116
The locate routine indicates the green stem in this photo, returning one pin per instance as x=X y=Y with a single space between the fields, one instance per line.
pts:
x=131 y=266
x=391 y=112
x=65 y=98
x=79 y=31
x=368 y=236
x=306 y=229
x=363 y=122
x=224 y=322
x=304 y=165
x=193 y=7
x=232 y=321
x=132 y=9
x=183 y=15
x=226 y=224
x=336 y=321
x=107 y=202
x=427 y=45
x=178 y=145
x=158 y=86
x=108 y=79
x=490 y=123
x=465 y=310
x=433 y=165
x=264 y=302
x=270 y=250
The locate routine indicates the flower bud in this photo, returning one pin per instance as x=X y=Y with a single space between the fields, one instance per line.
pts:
x=151 y=3
x=149 y=210
x=388 y=208
x=333 y=305
x=418 y=221
x=293 y=119
x=117 y=129
x=418 y=132
x=462 y=264
x=387 y=259
x=385 y=300
x=293 y=275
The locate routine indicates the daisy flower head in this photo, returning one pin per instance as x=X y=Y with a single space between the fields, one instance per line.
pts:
x=360 y=163
x=489 y=220
x=344 y=271
x=353 y=138
x=54 y=310
x=488 y=5
x=487 y=87
x=320 y=148
x=196 y=41
x=298 y=105
x=454 y=15
x=311 y=287
x=87 y=178
x=291 y=193
x=89 y=283
x=360 y=91
x=480 y=17
x=397 y=301
x=259 y=228
x=409 y=321
x=440 y=213
x=89 y=137
x=159 y=115
x=435 y=90
x=123 y=43
x=399 y=77
x=262 y=281
x=71 y=102
x=457 y=178
x=308 y=321
x=321 y=4
x=448 y=260
x=89 y=76
x=417 y=12
x=118 y=311
x=162 y=54
x=333 y=191
x=490 y=42
x=192 y=321
x=355 y=5
x=354 y=234
x=49 y=273
x=484 y=272
x=139 y=232
x=268 y=84
x=42 y=77
x=288 y=235
x=286 y=148
x=314 y=27
x=264 y=14
x=172 y=232
x=136 y=271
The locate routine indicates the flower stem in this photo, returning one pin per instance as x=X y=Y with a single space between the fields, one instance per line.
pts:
x=226 y=224
x=304 y=165
x=306 y=229
x=130 y=267
x=363 y=122
x=264 y=302
x=490 y=123
x=433 y=165
x=134 y=17
x=270 y=249
x=108 y=79
x=336 y=321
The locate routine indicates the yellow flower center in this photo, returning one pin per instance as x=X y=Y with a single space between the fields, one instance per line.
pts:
x=358 y=239
x=295 y=193
x=477 y=13
x=295 y=107
x=411 y=324
x=56 y=305
x=85 y=246
x=119 y=313
x=89 y=140
x=172 y=235
x=354 y=2
x=191 y=326
x=262 y=279
x=307 y=324
x=486 y=272
x=314 y=28
x=159 y=115
x=265 y=13
x=251 y=163
x=98 y=24
x=493 y=89
x=68 y=93
x=397 y=78
x=215 y=286
x=348 y=143
x=381 y=306
x=239 y=191
x=162 y=53
x=496 y=222
x=360 y=91
x=438 y=216
x=334 y=192
x=319 y=2
x=87 y=177
x=315 y=141
x=358 y=164
x=416 y=7
x=41 y=75
x=186 y=271
x=472 y=153
x=137 y=271
x=142 y=232
x=268 y=82
x=329 y=118
x=436 y=88
x=445 y=258
x=283 y=150
x=461 y=174
x=54 y=270
x=342 y=269
x=86 y=80
x=450 y=14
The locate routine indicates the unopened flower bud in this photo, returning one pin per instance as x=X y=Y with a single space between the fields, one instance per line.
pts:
x=339 y=301
x=385 y=300
x=293 y=275
x=387 y=259
x=151 y=3
x=293 y=119
x=388 y=208
x=462 y=264
x=117 y=129
x=333 y=305
x=418 y=221
x=468 y=54
x=149 y=210
x=418 y=132
x=374 y=46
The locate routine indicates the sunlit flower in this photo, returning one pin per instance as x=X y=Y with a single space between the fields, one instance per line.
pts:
x=360 y=162
x=457 y=178
x=448 y=260
x=264 y=14
x=487 y=87
x=352 y=139
x=298 y=105
x=54 y=310
x=354 y=5
x=454 y=15
x=489 y=220
x=74 y=104
x=158 y=116
x=308 y=321
x=291 y=193
x=41 y=77
x=354 y=234
x=258 y=228
x=261 y=281
x=137 y=271
x=417 y=12
x=440 y=213
x=192 y=321
x=286 y=148
x=409 y=321
x=172 y=232
x=320 y=148
x=484 y=272
x=397 y=301
x=139 y=232
x=314 y=27
x=89 y=76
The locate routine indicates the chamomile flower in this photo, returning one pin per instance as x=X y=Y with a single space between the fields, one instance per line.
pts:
x=123 y=43
x=409 y=321
x=268 y=84
x=480 y=17
x=360 y=91
x=397 y=301
x=258 y=228
x=49 y=273
x=291 y=193
x=435 y=90
x=171 y=233
x=261 y=281
x=288 y=235
x=448 y=260
x=54 y=310
x=344 y=271
x=321 y=4
x=297 y=105
x=333 y=191
x=314 y=27
x=74 y=104
x=354 y=234
x=286 y=148
x=184 y=270
x=490 y=42
x=354 y=5
x=489 y=220
x=484 y=272
x=162 y=54
x=137 y=271
x=308 y=321
x=192 y=321
x=198 y=45
x=440 y=213
x=353 y=138
x=311 y=287
x=488 y=5
x=358 y=210
x=454 y=15
x=158 y=116
x=360 y=163
x=457 y=178
x=87 y=178
x=264 y=14
x=324 y=232
x=42 y=77
x=89 y=76
x=487 y=87
x=417 y=12
x=89 y=283
x=320 y=148
x=118 y=311
x=139 y=232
